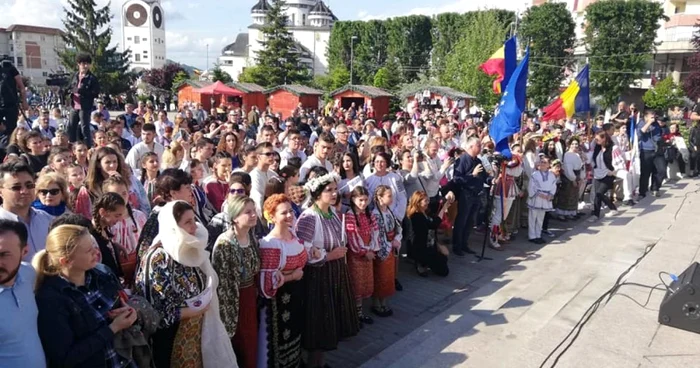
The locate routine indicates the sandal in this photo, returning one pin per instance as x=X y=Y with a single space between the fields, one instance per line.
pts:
x=382 y=311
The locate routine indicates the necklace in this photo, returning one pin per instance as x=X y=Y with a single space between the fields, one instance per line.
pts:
x=327 y=216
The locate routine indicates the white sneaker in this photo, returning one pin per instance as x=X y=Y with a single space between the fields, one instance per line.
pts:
x=613 y=213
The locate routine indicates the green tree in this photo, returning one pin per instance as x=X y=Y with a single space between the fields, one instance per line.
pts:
x=180 y=77
x=691 y=82
x=664 y=95
x=87 y=31
x=387 y=78
x=217 y=74
x=620 y=39
x=369 y=48
x=445 y=27
x=481 y=37
x=409 y=44
x=548 y=45
x=278 y=61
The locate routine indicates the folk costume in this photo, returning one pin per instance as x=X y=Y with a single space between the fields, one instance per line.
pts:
x=541 y=190
x=330 y=304
x=505 y=193
x=282 y=314
x=237 y=266
x=175 y=272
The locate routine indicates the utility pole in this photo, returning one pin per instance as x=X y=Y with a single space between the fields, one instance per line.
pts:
x=352 y=56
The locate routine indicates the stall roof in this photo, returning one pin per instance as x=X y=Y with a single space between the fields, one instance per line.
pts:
x=441 y=90
x=296 y=89
x=369 y=91
x=194 y=83
x=246 y=87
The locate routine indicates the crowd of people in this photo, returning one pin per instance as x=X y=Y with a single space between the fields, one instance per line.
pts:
x=240 y=237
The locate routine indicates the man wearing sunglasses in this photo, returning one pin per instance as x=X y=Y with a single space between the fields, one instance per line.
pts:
x=17 y=188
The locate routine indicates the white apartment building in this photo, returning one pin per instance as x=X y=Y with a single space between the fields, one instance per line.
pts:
x=33 y=50
x=674 y=36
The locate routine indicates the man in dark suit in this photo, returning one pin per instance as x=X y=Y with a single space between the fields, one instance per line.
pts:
x=84 y=89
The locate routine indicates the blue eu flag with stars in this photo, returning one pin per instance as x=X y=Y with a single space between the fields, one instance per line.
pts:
x=506 y=122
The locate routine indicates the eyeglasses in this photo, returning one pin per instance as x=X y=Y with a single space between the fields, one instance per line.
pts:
x=268 y=154
x=18 y=187
x=237 y=191
x=53 y=192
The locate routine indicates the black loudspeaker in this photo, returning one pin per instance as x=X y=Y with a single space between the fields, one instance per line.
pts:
x=680 y=307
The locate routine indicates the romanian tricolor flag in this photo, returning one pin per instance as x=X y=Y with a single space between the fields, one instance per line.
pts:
x=501 y=63
x=575 y=98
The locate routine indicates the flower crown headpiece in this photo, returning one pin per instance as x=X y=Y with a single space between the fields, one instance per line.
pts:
x=319 y=181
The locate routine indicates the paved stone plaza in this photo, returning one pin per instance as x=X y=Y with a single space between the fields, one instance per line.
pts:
x=512 y=311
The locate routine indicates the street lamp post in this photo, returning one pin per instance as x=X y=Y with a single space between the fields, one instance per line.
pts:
x=352 y=56
x=207 y=67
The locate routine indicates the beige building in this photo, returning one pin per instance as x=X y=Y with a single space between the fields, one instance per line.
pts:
x=674 y=38
x=33 y=50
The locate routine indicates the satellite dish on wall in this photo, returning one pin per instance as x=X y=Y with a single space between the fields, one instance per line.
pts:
x=136 y=14
x=157 y=17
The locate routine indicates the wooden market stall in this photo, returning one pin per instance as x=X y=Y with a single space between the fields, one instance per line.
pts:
x=254 y=95
x=433 y=97
x=209 y=94
x=284 y=99
x=366 y=96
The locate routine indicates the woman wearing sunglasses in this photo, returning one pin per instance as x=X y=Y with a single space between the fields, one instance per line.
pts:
x=239 y=184
x=51 y=194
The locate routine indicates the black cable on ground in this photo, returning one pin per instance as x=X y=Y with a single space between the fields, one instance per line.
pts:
x=576 y=330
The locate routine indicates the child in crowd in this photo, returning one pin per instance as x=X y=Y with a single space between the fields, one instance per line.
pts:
x=362 y=234
x=80 y=152
x=389 y=242
x=541 y=190
x=216 y=186
x=149 y=174
x=126 y=230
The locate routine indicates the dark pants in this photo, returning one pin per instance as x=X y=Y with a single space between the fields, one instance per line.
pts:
x=602 y=187
x=545 y=222
x=653 y=168
x=467 y=209
x=694 y=162
x=79 y=127
x=8 y=119
x=434 y=205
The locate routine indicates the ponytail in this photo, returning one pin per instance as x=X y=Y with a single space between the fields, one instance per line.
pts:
x=43 y=268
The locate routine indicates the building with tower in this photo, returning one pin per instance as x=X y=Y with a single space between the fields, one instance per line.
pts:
x=143 y=32
x=310 y=23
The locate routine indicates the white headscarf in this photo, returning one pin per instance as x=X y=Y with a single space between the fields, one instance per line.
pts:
x=190 y=250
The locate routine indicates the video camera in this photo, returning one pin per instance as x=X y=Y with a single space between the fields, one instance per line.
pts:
x=60 y=80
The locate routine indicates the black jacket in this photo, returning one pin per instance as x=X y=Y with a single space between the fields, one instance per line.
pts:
x=607 y=156
x=70 y=332
x=88 y=91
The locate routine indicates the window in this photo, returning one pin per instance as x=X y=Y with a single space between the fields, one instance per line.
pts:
x=43 y=38
x=45 y=74
x=137 y=57
x=145 y=56
x=128 y=38
x=145 y=52
x=145 y=39
x=303 y=19
x=20 y=61
x=136 y=39
x=43 y=62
